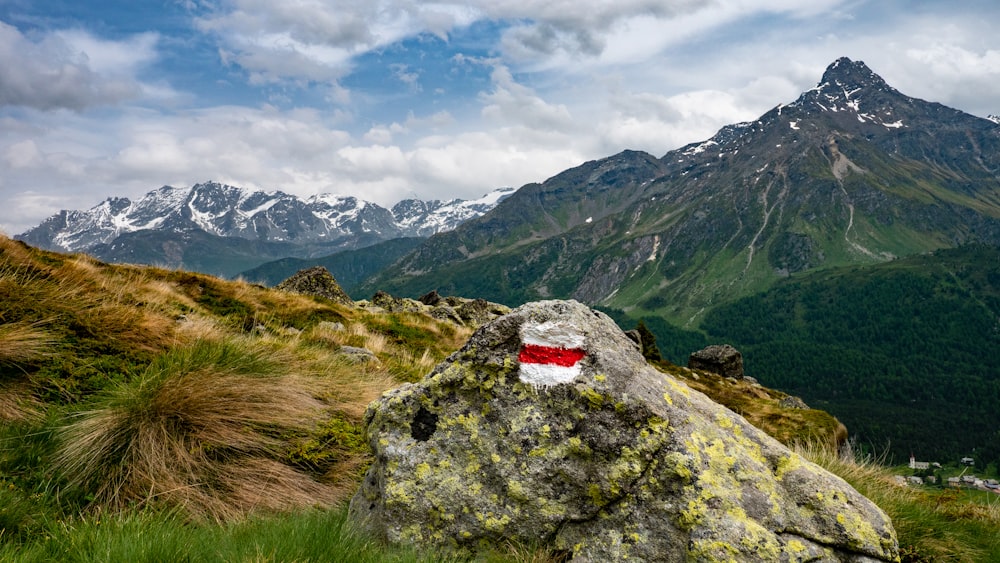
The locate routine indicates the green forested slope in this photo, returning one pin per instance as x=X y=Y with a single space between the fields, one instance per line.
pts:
x=906 y=354
x=350 y=267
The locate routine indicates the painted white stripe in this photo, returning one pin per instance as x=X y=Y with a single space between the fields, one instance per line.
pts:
x=554 y=334
x=544 y=375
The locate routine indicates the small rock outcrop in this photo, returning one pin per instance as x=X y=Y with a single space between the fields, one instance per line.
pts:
x=722 y=359
x=791 y=402
x=460 y=311
x=549 y=428
x=316 y=281
x=358 y=355
x=431 y=298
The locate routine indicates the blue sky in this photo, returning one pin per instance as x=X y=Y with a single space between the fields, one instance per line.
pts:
x=389 y=99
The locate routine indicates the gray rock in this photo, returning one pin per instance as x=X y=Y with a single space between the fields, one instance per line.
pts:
x=316 y=281
x=397 y=304
x=358 y=354
x=463 y=312
x=721 y=359
x=446 y=313
x=330 y=325
x=791 y=402
x=606 y=459
x=431 y=298
x=635 y=337
x=475 y=312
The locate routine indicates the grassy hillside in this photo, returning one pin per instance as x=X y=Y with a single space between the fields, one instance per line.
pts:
x=125 y=387
x=148 y=414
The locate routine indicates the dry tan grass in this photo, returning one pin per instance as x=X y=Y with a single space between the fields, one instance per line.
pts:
x=325 y=336
x=166 y=296
x=426 y=361
x=196 y=326
x=24 y=342
x=212 y=423
x=17 y=402
x=199 y=430
x=96 y=300
x=16 y=253
x=359 y=335
x=347 y=386
x=265 y=484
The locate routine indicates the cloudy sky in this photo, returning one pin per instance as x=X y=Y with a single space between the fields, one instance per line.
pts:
x=389 y=99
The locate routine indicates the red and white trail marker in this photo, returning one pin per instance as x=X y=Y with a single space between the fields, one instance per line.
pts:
x=550 y=353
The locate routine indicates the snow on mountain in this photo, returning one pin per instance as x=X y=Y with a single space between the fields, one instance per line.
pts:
x=231 y=211
x=425 y=218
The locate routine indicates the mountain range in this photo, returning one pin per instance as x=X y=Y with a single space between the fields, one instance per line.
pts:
x=784 y=236
x=846 y=240
x=222 y=229
x=852 y=172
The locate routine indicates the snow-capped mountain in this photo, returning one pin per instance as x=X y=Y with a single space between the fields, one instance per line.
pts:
x=159 y=226
x=230 y=211
x=425 y=218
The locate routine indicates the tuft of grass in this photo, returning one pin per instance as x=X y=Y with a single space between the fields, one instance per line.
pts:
x=360 y=335
x=200 y=428
x=25 y=342
x=931 y=525
x=17 y=402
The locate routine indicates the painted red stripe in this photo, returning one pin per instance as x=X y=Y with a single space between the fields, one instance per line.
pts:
x=535 y=354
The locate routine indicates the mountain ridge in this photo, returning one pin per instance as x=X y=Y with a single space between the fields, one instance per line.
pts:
x=851 y=172
x=160 y=226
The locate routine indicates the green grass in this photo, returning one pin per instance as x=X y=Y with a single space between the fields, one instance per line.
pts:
x=156 y=536
x=931 y=524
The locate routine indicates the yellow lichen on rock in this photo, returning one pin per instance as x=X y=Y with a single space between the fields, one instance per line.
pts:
x=620 y=463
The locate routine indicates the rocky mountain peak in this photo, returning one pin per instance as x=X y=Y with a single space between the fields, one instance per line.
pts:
x=853 y=96
x=845 y=73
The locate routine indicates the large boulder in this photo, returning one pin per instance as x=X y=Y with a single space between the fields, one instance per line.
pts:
x=549 y=428
x=722 y=359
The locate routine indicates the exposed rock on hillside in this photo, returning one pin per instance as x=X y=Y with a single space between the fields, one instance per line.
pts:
x=549 y=427
x=316 y=281
x=722 y=359
x=459 y=310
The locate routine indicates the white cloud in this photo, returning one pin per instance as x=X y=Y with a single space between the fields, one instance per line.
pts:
x=23 y=154
x=407 y=76
x=316 y=41
x=512 y=103
x=70 y=69
x=569 y=82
